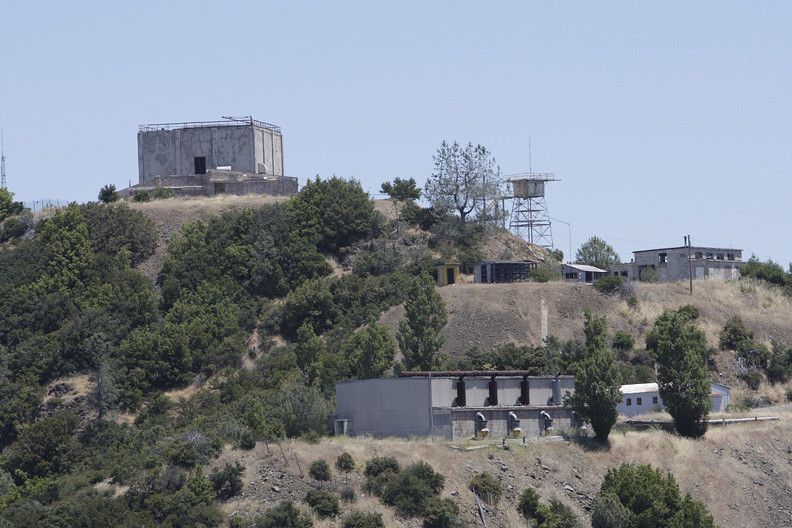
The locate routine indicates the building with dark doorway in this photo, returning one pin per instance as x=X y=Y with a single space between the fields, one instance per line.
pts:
x=454 y=405
x=498 y=271
x=581 y=273
x=678 y=263
x=234 y=156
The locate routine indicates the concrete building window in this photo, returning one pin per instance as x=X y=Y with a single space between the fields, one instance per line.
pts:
x=699 y=254
x=624 y=273
x=629 y=402
x=638 y=401
x=571 y=275
x=654 y=400
x=729 y=256
x=662 y=257
x=720 y=256
x=709 y=255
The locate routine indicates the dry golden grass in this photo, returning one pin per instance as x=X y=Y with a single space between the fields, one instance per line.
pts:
x=82 y=386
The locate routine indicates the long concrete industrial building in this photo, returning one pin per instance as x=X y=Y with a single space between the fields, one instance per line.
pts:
x=453 y=405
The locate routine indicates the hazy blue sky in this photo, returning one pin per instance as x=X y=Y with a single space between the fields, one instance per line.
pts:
x=660 y=118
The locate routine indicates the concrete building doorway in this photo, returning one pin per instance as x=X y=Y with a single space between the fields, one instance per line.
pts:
x=200 y=164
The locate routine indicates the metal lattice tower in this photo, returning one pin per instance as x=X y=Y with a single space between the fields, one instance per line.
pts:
x=529 y=217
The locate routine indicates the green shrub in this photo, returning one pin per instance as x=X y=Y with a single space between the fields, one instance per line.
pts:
x=357 y=519
x=789 y=394
x=755 y=354
x=442 y=513
x=284 y=515
x=227 y=481
x=487 y=487
x=311 y=437
x=734 y=333
x=623 y=341
x=348 y=494
x=753 y=379
x=319 y=469
x=163 y=192
x=412 y=488
x=608 y=512
x=546 y=272
x=324 y=503
x=609 y=284
x=632 y=302
x=345 y=462
x=649 y=274
x=556 y=515
x=529 y=502
x=689 y=312
x=108 y=194
x=650 y=499
x=379 y=465
x=141 y=196
x=247 y=440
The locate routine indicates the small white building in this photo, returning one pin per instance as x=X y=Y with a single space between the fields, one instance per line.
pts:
x=581 y=273
x=642 y=398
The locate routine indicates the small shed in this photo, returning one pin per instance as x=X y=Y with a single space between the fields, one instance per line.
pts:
x=581 y=273
x=448 y=273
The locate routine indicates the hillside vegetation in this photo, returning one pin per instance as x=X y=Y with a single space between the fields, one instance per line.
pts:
x=154 y=355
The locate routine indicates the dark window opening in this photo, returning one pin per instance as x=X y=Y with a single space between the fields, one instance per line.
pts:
x=449 y=276
x=654 y=400
x=699 y=254
x=638 y=401
x=629 y=402
x=493 y=392
x=662 y=257
x=200 y=165
x=461 y=397
x=525 y=398
x=729 y=256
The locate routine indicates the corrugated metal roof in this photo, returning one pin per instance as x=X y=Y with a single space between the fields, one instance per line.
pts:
x=586 y=267
x=638 y=388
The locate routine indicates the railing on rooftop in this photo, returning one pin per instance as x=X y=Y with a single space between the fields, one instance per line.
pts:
x=229 y=121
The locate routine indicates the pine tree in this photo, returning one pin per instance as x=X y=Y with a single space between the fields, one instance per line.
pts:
x=597 y=380
x=680 y=350
x=419 y=334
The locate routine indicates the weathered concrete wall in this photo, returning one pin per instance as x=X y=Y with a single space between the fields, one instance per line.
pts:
x=400 y=406
x=531 y=423
x=385 y=406
x=221 y=182
x=707 y=263
x=268 y=146
x=244 y=148
x=648 y=403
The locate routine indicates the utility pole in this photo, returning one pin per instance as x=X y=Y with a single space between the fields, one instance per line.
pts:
x=3 y=183
x=690 y=263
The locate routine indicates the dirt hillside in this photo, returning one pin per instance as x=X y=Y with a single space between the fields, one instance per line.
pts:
x=171 y=214
x=743 y=473
x=488 y=315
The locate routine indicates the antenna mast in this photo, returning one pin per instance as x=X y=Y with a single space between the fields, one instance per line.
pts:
x=2 y=162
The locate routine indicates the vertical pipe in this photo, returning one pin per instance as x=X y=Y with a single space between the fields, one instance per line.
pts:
x=431 y=410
